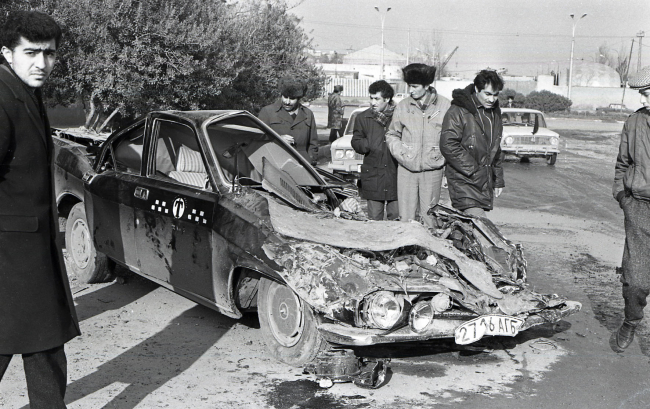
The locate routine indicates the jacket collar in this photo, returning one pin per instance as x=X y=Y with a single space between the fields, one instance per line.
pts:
x=433 y=102
x=20 y=91
x=301 y=113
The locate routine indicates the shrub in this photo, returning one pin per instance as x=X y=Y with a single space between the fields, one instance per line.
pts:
x=547 y=101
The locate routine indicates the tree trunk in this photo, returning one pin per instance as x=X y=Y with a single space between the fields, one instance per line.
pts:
x=101 y=128
x=91 y=114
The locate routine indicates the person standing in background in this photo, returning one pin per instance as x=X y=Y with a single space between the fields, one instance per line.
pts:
x=413 y=138
x=335 y=111
x=37 y=315
x=379 y=168
x=292 y=120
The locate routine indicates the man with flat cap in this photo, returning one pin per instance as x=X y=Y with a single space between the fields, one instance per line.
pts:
x=632 y=191
x=292 y=120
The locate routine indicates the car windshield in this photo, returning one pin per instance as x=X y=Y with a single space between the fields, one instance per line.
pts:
x=243 y=148
x=350 y=126
x=522 y=119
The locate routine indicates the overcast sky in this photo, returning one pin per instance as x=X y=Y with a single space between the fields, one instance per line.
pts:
x=526 y=36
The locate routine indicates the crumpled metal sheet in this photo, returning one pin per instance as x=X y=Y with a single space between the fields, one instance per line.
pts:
x=375 y=236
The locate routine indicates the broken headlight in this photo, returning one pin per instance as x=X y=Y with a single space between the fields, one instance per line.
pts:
x=421 y=316
x=383 y=310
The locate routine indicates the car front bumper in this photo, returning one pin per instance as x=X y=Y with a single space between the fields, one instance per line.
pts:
x=439 y=328
x=345 y=167
x=527 y=151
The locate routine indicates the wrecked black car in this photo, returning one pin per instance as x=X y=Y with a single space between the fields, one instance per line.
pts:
x=216 y=207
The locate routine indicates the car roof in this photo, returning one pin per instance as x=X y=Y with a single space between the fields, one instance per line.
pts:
x=526 y=110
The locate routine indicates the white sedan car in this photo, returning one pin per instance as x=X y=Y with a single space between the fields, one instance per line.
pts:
x=525 y=135
x=345 y=161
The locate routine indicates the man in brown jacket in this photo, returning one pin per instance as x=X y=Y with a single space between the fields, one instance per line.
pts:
x=37 y=314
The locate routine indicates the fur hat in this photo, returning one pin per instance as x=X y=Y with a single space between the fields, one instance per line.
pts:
x=641 y=80
x=338 y=88
x=419 y=74
x=292 y=87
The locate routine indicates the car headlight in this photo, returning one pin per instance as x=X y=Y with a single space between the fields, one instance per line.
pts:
x=509 y=140
x=383 y=310
x=349 y=154
x=421 y=316
x=554 y=141
x=339 y=153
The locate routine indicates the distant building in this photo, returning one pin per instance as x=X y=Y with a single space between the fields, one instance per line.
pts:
x=372 y=56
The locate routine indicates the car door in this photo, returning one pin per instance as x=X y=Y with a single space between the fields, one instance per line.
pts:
x=174 y=204
x=109 y=195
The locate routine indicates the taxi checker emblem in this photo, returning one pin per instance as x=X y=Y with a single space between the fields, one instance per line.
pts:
x=178 y=208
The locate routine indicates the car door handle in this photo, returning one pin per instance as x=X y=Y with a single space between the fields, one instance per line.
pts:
x=141 y=193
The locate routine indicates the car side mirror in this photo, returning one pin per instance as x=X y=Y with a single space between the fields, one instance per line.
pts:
x=536 y=128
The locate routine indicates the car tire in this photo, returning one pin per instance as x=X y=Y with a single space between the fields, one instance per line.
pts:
x=87 y=264
x=288 y=324
x=551 y=159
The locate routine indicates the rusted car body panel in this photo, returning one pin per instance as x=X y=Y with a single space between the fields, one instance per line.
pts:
x=260 y=210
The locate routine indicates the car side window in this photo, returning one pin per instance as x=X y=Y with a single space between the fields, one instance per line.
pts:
x=178 y=155
x=127 y=151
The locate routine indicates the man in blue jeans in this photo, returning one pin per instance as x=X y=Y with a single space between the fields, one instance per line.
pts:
x=632 y=190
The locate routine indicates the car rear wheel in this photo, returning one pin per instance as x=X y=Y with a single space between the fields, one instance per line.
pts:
x=288 y=324
x=89 y=265
x=550 y=159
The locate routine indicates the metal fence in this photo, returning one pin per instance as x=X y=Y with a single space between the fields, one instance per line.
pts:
x=351 y=87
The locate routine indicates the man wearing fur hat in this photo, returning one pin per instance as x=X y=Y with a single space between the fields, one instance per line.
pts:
x=413 y=138
x=632 y=191
x=471 y=144
x=293 y=121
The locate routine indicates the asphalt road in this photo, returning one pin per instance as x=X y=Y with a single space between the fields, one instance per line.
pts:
x=145 y=347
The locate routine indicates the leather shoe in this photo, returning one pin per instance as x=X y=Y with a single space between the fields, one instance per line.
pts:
x=622 y=338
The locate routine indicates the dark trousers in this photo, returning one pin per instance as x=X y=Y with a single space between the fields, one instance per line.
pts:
x=376 y=209
x=46 y=375
x=636 y=257
x=335 y=134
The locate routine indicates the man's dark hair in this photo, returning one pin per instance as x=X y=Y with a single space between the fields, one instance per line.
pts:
x=419 y=74
x=338 y=88
x=33 y=25
x=383 y=87
x=488 y=77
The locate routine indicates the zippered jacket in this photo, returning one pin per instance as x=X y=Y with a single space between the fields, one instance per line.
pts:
x=632 y=171
x=473 y=158
x=413 y=136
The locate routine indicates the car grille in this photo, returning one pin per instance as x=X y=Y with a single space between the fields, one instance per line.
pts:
x=358 y=156
x=532 y=140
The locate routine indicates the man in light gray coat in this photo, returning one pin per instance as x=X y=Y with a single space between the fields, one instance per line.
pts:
x=414 y=140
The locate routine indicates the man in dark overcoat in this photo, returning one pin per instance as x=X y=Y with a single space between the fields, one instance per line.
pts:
x=471 y=144
x=335 y=112
x=379 y=169
x=292 y=120
x=37 y=314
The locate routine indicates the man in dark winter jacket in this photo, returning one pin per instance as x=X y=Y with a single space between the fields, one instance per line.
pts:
x=471 y=144
x=335 y=111
x=379 y=169
x=37 y=314
x=632 y=191
x=292 y=120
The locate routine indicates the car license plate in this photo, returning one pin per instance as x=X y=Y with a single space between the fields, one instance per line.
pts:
x=472 y=331
x=359 y=168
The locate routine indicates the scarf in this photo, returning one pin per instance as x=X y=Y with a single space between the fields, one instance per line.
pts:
x=384 y=117
x=424 y=102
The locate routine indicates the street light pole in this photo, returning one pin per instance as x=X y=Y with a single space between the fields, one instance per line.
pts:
x=573 y=40
x=383 y=18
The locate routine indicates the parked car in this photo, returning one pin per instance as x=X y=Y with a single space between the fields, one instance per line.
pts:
x=525 y=135
x=345 y=161
x=614 y=108
x=215 y=206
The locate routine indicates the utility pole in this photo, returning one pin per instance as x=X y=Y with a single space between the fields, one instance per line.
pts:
x=640 y=34
x=573 y=40
x=408 y=47
x=627 y=70
x=383 y=18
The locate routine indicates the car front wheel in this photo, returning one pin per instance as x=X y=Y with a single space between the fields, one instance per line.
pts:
x=89 y=265
x=288 y=324
x=551 y=159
